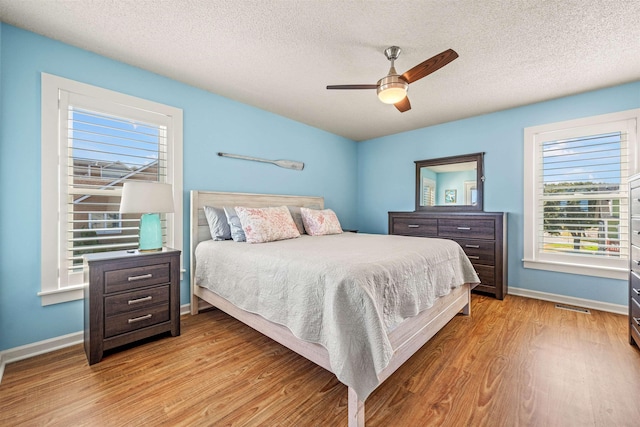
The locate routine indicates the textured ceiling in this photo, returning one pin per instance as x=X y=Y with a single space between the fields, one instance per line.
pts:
x=279 y=55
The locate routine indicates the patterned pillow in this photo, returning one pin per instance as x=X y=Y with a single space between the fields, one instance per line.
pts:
x=262 y=225
x=320 y=222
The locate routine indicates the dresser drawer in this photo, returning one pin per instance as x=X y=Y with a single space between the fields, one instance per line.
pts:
x=136 y=319
x=423 y=227
x=634 y=287
x=137 y=277
x=635 y=315
x=476 y=228
x=635 y=259
x=137 y=300
x=486 y=274
x=635 y=201
x=479 y=251
x=635 y=232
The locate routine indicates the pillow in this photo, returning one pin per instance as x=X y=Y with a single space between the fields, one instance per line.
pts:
x=237 y=234
x=297 y=217
x=262 y=225
x=218 y=225
x=320 y=222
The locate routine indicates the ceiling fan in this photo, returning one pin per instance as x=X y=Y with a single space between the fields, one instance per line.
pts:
x=392 y=89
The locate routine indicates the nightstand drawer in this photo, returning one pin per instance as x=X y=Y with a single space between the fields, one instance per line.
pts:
x=479 y=251
x=415 y=227
x=476 y=228
x=635 y=201
x=137 y=300
x=137 y=319
x=137 y=277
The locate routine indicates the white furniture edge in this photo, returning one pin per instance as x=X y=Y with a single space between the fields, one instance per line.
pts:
x=406 y=339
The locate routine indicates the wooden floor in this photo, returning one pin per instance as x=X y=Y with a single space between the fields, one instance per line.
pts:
x=517 y=362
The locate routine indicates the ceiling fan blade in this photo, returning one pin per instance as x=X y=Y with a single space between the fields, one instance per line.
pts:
x=352 y=87
x=403 y=105
x=430 y=65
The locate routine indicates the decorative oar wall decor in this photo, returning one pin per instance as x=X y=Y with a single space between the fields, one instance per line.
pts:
x=287 y=164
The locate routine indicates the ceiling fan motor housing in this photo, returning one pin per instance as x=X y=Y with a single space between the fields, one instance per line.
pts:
x=392 y=88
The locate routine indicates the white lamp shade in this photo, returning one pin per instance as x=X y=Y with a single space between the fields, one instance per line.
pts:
x=146 y=197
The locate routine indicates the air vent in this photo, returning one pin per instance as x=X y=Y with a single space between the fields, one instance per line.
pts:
x=573 y=308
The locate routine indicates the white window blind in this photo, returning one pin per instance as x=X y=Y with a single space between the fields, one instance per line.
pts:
x=428 y=192
x=576 y=202
x=583 y=205
x=104 y=152
x=94 y=140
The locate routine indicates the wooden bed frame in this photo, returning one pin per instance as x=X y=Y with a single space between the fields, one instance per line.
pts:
x=406 y=339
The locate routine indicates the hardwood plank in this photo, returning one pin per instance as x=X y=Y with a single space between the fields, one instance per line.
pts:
x=513 y=362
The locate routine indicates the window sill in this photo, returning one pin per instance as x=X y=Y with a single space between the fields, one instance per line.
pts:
x=61 y=295
x=582 y=269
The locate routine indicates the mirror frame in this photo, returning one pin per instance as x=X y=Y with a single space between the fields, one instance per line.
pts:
x=477 y=157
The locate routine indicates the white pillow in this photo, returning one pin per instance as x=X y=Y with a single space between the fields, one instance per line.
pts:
x=262 y=225
x=320 y=222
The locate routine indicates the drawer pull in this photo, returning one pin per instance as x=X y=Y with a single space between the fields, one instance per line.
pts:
x=464 y=228
x=472 y=246
x=141 y=277
x=637 y=320
x=141 y=318
x=473 y=257
x=413 y=226
x=636 y=261
x=139 y=300
x=636 y=291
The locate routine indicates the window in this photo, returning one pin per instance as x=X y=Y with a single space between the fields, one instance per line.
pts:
x=428 y=192
x=576 y=205
x=93 y=141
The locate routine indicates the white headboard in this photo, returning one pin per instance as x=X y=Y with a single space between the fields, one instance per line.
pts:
x=200 y=228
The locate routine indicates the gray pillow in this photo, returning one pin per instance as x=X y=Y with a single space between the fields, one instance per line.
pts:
x=297 y=217
x=237 y=233
x=218 y=225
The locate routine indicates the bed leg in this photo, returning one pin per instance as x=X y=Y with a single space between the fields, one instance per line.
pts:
x=356 y=410
x=194 y=304
x=466 y=310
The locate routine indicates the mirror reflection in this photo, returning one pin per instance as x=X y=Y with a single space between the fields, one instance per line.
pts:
x=453 y=183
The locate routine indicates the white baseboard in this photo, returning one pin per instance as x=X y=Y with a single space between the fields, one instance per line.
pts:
x=563 y=299
x=52 y=344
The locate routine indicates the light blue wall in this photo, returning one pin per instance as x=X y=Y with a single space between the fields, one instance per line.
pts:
x=386 y=174
x=211 y=124
x=453 y=181
x=362 y=182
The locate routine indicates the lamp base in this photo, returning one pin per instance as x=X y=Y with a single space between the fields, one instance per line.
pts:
x=150 y=233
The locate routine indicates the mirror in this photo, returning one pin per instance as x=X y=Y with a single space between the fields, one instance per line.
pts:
x=450 y=183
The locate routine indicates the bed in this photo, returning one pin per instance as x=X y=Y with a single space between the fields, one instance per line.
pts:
x=362 y=351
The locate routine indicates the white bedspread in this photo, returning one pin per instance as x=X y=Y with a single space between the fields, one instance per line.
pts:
x=344 y=291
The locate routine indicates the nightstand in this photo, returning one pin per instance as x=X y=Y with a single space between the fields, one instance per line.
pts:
x=130 y=295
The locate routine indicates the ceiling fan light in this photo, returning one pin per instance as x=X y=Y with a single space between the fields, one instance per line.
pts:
x=392 y=89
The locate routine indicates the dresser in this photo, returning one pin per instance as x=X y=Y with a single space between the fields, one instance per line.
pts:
x=634 y=264
x=130 y=296
x=482 y=236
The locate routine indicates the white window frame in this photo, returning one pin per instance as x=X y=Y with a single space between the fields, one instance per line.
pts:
x=625 y=121
x=53 y=190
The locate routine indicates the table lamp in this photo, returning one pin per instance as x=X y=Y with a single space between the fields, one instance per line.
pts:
x=149 y=199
